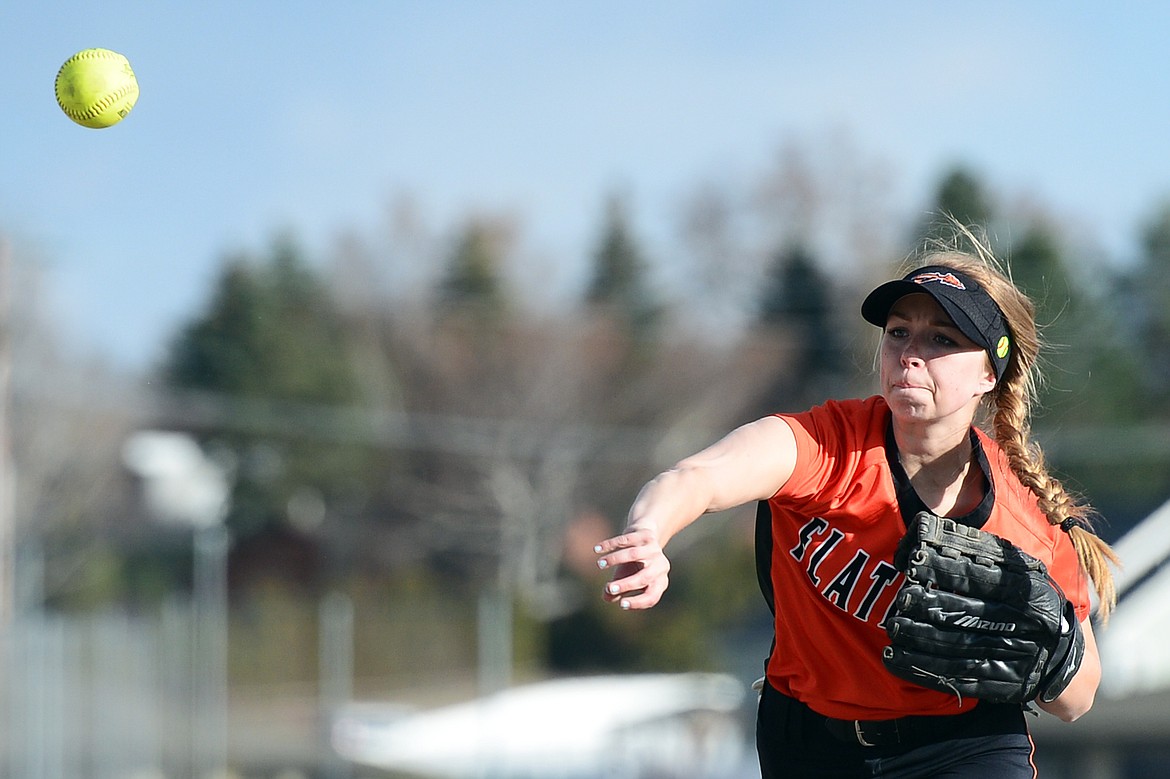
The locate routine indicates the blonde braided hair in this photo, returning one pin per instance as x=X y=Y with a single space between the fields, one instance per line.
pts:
x=1011 y=403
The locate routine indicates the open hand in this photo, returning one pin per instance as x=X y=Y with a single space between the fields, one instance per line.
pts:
x=640 y=568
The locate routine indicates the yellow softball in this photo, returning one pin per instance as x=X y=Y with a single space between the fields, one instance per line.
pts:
x=96 y=88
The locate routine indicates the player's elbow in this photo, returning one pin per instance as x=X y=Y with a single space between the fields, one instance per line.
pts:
x=1075 y=702
x=1070 y=711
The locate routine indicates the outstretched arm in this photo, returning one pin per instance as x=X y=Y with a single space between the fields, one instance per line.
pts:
x=751 y=463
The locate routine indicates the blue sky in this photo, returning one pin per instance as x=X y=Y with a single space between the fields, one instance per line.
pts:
x=260 y=116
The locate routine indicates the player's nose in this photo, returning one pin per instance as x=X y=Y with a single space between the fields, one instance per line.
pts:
x=911 y=356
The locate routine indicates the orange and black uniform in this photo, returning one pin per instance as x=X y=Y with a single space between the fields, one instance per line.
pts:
x=825 y=550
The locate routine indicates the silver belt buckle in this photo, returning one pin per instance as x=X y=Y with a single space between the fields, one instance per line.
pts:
x=861 y=736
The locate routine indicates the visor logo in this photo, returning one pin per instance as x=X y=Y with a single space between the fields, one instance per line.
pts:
x=950 y=279
x=1003 y=347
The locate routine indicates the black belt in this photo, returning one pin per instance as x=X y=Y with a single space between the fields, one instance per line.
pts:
x=902 y=731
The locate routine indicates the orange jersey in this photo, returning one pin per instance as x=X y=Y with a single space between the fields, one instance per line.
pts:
x=825 y=550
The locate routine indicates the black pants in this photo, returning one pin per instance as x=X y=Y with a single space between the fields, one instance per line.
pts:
x=793 y=742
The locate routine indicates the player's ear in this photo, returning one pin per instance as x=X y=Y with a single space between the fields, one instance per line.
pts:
x=987 y=380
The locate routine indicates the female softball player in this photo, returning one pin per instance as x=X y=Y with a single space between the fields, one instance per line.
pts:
x=839 y=485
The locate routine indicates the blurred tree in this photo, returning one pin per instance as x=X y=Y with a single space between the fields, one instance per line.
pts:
x=962 y=195
x=1088 y=374
x=269 y=332
x=1038 y=268
x=66 y=414
x=619 y=283
x=796 y=291
x=522 y=418
x=473 y=276
x=270 y=342
x=1148 y=287
x=796 y=307
x=721 y=279
x=832 y=197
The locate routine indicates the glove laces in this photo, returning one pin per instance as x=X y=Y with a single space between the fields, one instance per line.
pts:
x=940 y=681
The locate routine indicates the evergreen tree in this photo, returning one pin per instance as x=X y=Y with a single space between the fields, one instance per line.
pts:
x=1039 y=270
x=619 y=273
x=219 y=351
x=270 y=331
x=961 y=195
x=472 y=280
x=1088 y=372
x=796 y=291
x=798 y=300
x=271 y=350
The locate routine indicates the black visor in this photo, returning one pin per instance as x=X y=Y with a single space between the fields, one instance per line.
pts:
x=965 y=302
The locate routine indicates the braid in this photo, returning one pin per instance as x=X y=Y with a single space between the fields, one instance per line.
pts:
x=1011 y=429
x=1012 y=401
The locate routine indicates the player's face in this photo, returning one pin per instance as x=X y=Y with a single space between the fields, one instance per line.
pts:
x=929 y=369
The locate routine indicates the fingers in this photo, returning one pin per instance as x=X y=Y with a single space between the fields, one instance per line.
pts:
x=639 y=569
x=631 y=538
x=631 y=548
x=630 y=597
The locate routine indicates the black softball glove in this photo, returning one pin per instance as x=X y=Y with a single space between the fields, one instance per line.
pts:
x=979 y=617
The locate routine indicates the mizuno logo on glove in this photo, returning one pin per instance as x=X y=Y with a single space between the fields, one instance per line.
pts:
x=975 y=623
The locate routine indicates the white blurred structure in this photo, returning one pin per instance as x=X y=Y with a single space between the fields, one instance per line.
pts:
x=181 y=484
x=662 y=725
x=1135 y=646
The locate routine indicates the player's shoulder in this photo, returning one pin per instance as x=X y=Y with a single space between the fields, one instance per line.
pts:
x=849 y=414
